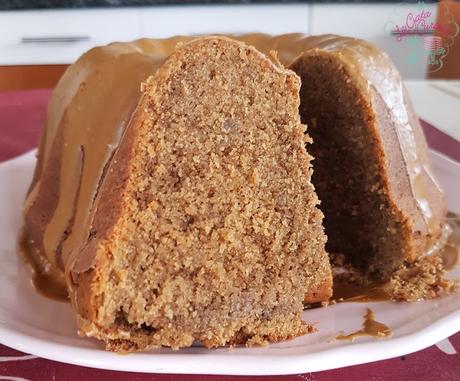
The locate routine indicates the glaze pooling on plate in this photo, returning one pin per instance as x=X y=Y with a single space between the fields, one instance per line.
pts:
x=370 y=327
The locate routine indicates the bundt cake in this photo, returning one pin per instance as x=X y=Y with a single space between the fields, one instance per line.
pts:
x=183 y=212
x=172 y=197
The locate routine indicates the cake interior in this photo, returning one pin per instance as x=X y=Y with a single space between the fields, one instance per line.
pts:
x=220 y=237
x=360 y=221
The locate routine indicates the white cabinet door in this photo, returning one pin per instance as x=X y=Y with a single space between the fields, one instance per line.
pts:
x=61 y=36
x=374 y=22
x=207 y=19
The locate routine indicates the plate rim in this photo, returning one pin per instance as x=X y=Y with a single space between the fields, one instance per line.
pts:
x=250 y=365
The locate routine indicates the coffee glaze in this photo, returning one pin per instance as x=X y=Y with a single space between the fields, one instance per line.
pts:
x=87 y=115
x=47 y=280
x=451 y=250
x=347 y=292
x=371 y=327
x=94 y=101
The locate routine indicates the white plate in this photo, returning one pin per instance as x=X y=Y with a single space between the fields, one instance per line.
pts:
x=39 y=326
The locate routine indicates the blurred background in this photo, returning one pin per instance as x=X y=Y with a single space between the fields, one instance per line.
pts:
x=38 y=39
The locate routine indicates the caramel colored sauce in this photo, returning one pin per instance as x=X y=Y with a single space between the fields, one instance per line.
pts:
x=45 y=279
x=346 y=292
x=47 y=286
x=451 y=250
x=371 y=327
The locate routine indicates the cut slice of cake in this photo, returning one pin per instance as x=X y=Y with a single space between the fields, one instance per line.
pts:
x=184 y=212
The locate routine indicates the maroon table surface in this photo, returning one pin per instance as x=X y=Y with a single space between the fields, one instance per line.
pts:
x=22 y=115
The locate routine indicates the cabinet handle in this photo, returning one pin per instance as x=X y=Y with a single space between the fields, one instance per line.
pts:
x=53 y=40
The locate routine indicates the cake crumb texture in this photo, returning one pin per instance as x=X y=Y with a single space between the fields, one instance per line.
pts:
x=425 y=278
x=422 y=279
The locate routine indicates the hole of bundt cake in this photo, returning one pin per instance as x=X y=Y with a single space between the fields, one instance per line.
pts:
x=359 y=221
x=221 y=231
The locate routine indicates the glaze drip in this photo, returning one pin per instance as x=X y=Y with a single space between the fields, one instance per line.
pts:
x=371 y=327
x=93 y=116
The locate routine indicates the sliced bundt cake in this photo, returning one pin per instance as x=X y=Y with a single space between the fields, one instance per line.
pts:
x=183 y=212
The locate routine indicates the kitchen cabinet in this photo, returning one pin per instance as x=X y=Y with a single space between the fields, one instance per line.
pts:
x=61 y=36
x=275 y=19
